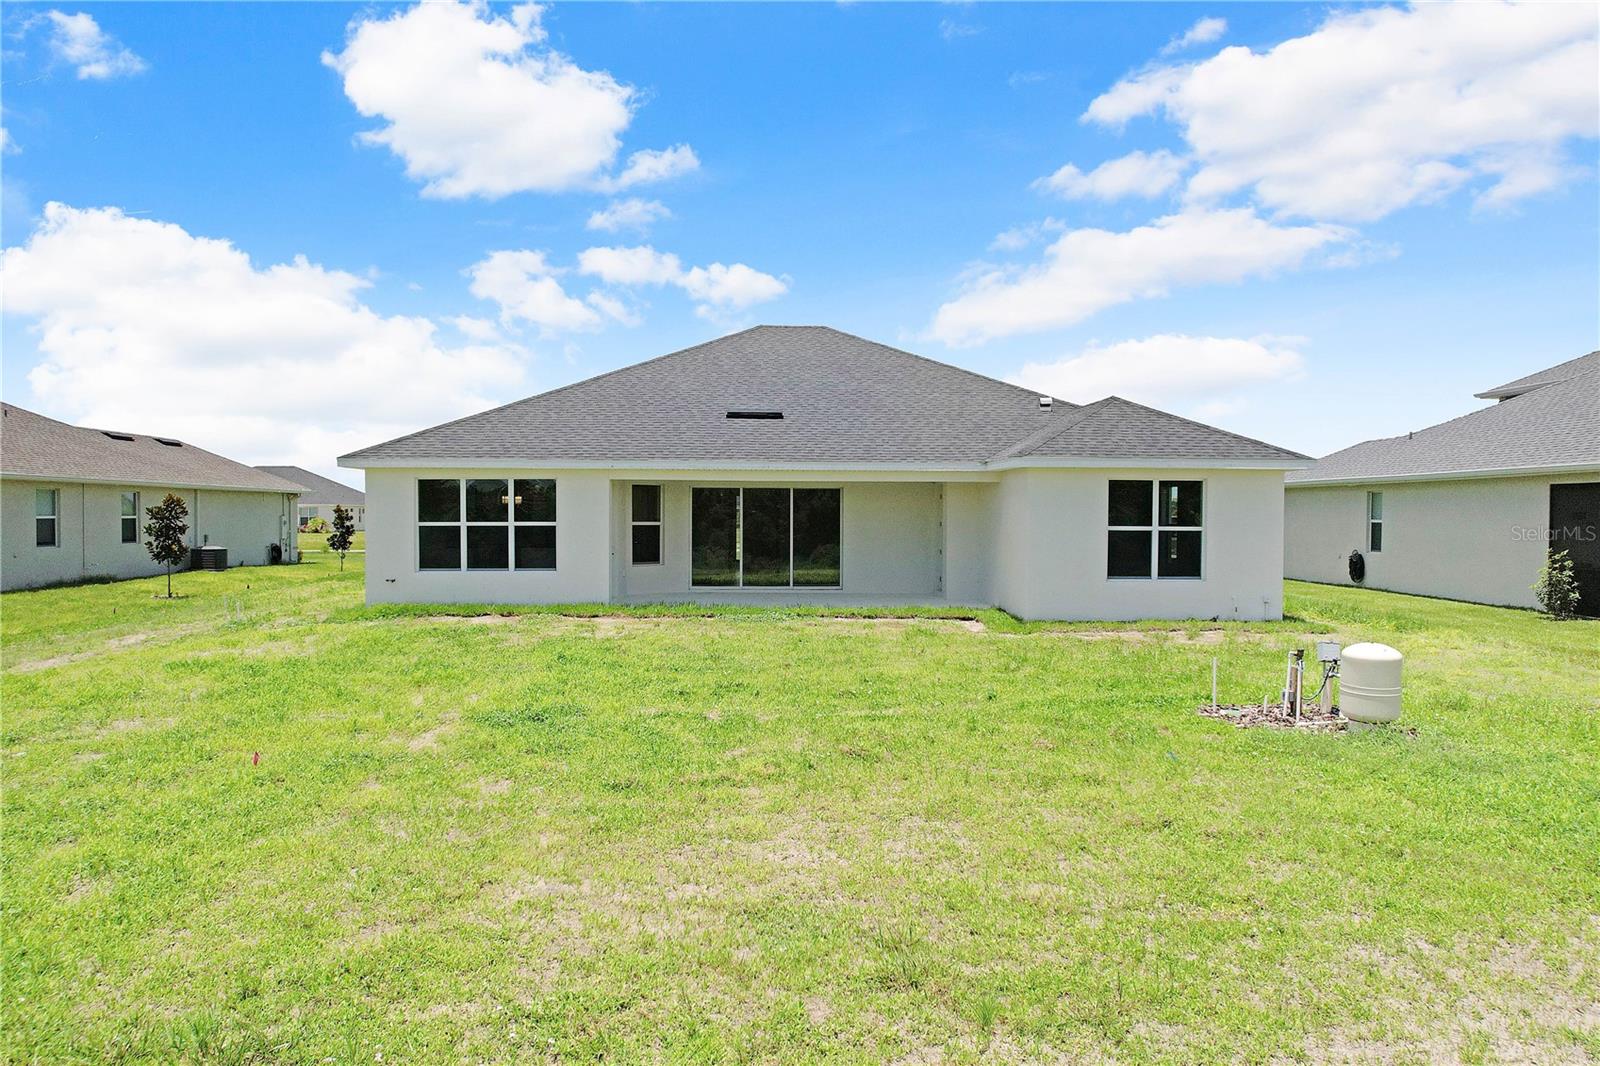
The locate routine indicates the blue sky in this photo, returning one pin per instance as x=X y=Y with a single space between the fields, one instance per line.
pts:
x=1327 y=223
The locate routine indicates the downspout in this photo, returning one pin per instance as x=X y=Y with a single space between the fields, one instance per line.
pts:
x=83 y=530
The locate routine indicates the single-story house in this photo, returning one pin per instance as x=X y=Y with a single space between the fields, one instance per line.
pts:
x=1466 y=509
x=320 y=495
x=788 y=464
x=73 y=500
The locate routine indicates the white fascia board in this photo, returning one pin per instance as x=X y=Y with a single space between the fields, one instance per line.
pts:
x=73 y=479
x=1448 y=475
x=1146 y=463
x=955 y=471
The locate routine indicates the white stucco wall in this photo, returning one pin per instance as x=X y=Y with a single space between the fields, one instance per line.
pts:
x=1478 y=539
x=1032 y=541
x=1052 y=548
x=89 y=537
x=583 y=544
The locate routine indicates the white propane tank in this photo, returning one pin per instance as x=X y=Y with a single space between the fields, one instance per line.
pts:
x=1369 y=683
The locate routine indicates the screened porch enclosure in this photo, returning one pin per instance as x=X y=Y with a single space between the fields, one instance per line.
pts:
x=764 y=537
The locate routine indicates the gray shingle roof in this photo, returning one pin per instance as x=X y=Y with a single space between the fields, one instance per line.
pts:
x=33 y=446
x=1548 y=376
x=316 y=489
x=1555 y=425
x=844 y=400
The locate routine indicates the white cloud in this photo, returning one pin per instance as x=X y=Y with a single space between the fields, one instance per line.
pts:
x=633 y=213
x=1027 y=235
x=951 y=30
x=652 y=165
x=96 y=55
x=146 y=327
x=1146 y=174
x=720 y=287
x=476 y=105
x=1204 y=31
x=1088 y=270
x=641 y=265
x=717 y=288
x=1383 y=107
x=524 y=284
x=1199 y=374
x=478 y=329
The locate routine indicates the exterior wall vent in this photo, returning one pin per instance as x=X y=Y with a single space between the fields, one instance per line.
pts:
x=755 y=414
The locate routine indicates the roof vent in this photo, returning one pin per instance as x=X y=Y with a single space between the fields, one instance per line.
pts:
x=1045 y=403
x=117 y=436
x=169 y=443
x=755 y=414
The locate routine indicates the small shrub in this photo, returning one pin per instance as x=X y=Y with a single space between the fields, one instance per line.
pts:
x=1557 y=586
x=344 y=532
x=315 y=525
x=166 y=530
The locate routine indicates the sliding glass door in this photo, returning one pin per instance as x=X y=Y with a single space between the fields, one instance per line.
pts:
x=714 y=537
x=765 y=538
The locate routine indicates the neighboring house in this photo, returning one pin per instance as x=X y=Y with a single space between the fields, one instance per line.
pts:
x=805 y=465
x=1467 y=508
x=72 y=501
x=320 y=495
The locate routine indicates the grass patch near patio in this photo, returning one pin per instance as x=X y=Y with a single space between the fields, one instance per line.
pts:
x=734 y=834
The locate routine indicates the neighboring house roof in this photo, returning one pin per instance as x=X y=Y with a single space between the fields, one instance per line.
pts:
x=1551 y=422
x=39 y=448
x=316 y=489
x=1584 y=364
x=844 y=400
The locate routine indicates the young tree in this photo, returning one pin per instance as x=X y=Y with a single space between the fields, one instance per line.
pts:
x=1557 y=587
x=344 y=532
x=166 y=530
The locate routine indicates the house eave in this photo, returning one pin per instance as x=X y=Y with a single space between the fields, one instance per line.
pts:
x=1585 y=467
x=74 y=479
x=959 y=468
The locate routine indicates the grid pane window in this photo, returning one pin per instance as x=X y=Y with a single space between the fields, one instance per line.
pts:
x=45 y=517
x=1154 y=529
x=130 y=518
x=534 y=512
x=645 y=517
x=486 y=524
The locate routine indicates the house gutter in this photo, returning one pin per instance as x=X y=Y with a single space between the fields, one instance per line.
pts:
x=1589 y=467
x=691 y=466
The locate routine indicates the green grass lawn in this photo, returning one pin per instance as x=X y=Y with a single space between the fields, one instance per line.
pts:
x=679 y=835
x=318 y=542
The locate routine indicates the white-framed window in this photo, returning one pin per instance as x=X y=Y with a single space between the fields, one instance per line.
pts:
x=1155 y=528
x=486 y=524
x=45 y=518
x=130 y=518
x=1374 y=521
x=644 y=517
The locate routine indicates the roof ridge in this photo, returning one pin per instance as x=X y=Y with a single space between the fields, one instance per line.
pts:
x=947 y=366
x=1509 y=404
x=1102 y=406
x=541 y=395
x=1084 y=412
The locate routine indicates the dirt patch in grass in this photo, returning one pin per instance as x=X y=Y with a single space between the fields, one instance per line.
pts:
x=429 y=739
x=1445 y=1024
